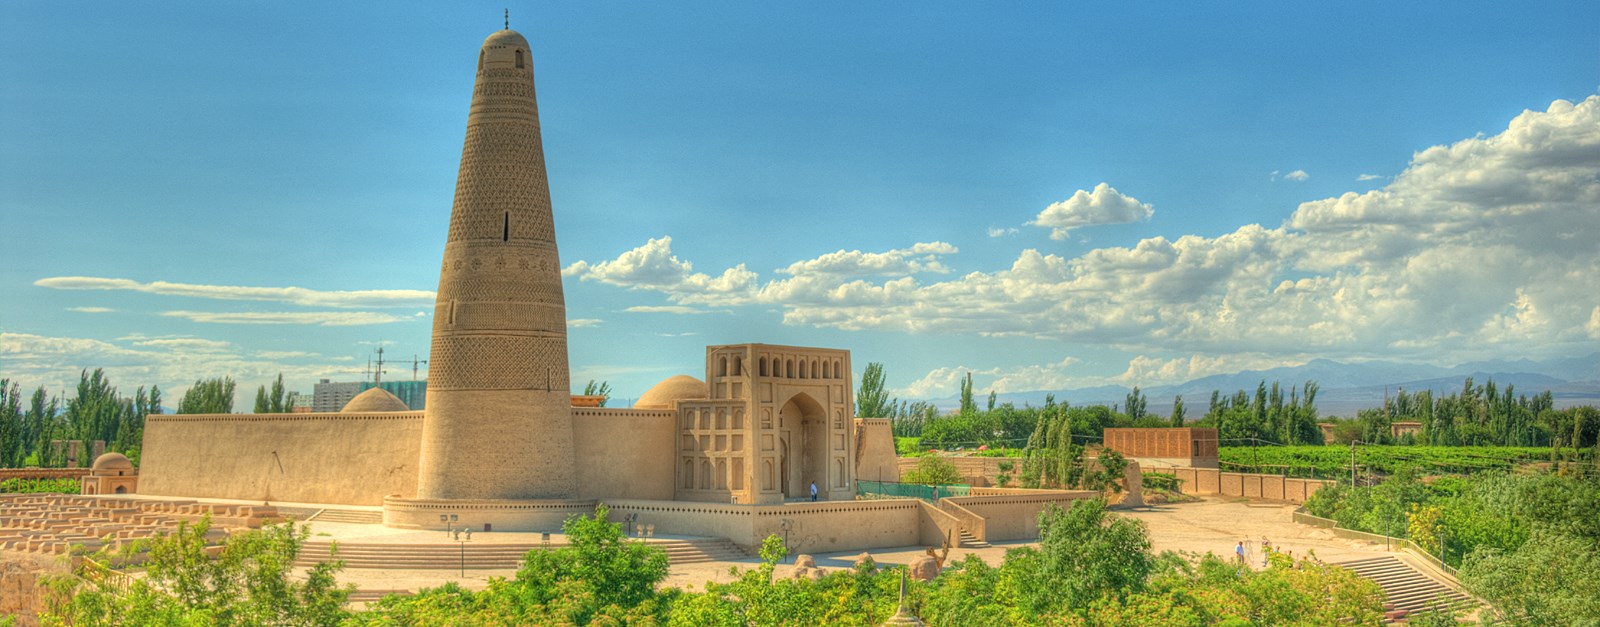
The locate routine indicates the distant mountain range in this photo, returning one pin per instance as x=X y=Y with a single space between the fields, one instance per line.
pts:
x=1346 y=388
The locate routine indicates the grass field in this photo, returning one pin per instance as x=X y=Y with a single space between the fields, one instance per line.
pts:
x=1332 y=462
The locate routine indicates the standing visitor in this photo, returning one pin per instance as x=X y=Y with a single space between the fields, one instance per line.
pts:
x=813 y=491
x=1239 y=551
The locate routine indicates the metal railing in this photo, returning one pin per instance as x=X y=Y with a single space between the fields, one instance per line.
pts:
x=893 y=490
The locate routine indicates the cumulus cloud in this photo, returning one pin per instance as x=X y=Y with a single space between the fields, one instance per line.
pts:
x=654 y=267
x=1104 y=205
x=1484 y=243
x=1297 y=176
x=1148 y=371
x=946 y=381
x=921 y=257
x=291 y=295
x=316 y=318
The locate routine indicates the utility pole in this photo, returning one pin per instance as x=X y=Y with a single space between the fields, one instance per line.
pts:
x=1353 y=463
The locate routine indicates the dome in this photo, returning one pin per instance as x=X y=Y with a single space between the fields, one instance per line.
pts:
x=374 y=399
x=112 y=461
x=505 y=37
x=666 y=394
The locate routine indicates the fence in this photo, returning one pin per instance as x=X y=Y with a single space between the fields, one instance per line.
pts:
x=893 y=490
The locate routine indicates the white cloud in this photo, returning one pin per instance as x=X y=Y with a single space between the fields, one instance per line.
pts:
x=1368 y=177
x=941 y=382
x=173 y=363
x=921 y=257
x=91 y=309
x=1297 y=176
x=1148 y=371
x=291 y=295
x=1104 y=205
x=317 y=318
x=667 y=309
x=186 y=344
x=995 y=231
x=579 y=323
x=1593 y=327
x=654 y=267
x=291 y=355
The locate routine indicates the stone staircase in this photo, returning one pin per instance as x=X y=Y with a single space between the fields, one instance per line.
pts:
x=1406 y=590
x=968 y=541
x=488 y=556
x=350 y=516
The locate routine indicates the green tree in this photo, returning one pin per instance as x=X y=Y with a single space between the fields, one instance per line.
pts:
x=872 y=397
x=932 y=470
x=208 y=396
x=602 y=390
x=278 y=401
x=1177 y=411
x=12 y=426
x=968 y=405
x=1084 y=554
x=249 y=581
x=1135 y=404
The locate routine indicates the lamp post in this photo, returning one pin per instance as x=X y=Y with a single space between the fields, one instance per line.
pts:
x=449 y=521
x=463 y=542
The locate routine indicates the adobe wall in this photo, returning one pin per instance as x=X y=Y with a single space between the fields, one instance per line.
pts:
x=351 y=459
x=1210 y=481
x=1166 y=446
x=815 y=527
x=624 y=453
x=875 y=452
x=1014 y=514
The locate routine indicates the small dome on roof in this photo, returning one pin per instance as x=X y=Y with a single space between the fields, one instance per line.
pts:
x=374 y=400
x=666 y=394
x=112 y=461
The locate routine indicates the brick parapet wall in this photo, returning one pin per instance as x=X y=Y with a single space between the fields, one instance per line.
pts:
x=43 y=473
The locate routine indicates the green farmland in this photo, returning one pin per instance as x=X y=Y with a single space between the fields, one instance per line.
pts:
x=1333 y=462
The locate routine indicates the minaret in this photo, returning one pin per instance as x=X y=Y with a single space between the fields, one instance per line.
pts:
x=499 y=420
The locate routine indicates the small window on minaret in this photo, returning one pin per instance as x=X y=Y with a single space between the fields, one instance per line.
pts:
x=480 y=61
x=505 y=234
x=519 y=59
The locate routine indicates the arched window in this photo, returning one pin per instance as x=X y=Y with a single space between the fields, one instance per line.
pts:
x=480 y=61
x=722 y=366
x=838 y=473
x=738 y=366
x=722 y=474
x=766 y=474
x=519 y=59
x=688 y=474
x=705 y=475
x=827 y=370
x=838 y=370
x=788 y=366
x=816 y=370
x=762 y=364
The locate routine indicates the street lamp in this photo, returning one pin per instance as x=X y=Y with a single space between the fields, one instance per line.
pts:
x=463 y=542
x=449 y=522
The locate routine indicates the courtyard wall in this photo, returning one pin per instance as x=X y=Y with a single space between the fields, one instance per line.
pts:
x=340 y=458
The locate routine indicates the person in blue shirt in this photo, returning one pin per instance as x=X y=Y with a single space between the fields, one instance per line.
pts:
x=813 y=491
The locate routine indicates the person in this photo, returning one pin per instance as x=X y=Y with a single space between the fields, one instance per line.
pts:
x=1266 y=549
x=813 y=491
x=1239 y=550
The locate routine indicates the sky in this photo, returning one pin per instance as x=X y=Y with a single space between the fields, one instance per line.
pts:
x=1047 y=195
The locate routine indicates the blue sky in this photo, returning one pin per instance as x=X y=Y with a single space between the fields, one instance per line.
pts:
x=1051 y=196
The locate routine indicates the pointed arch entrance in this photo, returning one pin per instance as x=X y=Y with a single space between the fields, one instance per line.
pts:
x=803 y=452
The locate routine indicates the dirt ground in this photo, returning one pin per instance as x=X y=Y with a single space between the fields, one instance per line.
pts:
x=1212 y=524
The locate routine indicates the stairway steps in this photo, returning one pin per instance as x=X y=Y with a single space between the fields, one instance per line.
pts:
x=351 y=516
x=966 y=540
x=1406 y=590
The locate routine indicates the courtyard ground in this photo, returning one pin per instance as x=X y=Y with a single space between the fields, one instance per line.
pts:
x=1211 y=524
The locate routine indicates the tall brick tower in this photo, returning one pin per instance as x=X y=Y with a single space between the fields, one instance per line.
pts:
x=498 y=423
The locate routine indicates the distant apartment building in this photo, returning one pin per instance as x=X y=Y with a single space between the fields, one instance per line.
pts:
x=332 y=396
x=327 y=396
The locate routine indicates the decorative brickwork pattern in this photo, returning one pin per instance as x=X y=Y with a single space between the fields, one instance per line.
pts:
x=499 y=332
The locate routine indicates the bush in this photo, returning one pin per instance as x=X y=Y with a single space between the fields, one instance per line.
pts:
x=932 y=470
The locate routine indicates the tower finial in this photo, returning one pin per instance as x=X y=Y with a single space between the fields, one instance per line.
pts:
x=508 y=19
